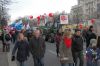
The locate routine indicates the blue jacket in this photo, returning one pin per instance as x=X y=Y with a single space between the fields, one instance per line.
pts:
x=89 y=54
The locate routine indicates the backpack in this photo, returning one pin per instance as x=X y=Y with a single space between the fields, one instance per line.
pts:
x=7 y=37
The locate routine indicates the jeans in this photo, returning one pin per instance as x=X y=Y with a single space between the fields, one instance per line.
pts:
x=67 y=64
x=79 y=55
x=38 y=61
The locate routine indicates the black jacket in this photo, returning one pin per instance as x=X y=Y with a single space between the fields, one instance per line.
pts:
x=90 y=36
x=22 y=48
x=77 y=43
x=37 y=47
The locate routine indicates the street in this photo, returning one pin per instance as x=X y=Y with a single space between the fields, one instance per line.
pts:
x=50 y=58
x=3 y=57
x=74 y=23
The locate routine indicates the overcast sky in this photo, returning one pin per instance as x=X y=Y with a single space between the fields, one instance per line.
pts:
x=38 y=7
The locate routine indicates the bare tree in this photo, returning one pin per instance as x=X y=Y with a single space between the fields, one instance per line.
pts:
x=4 y=12
x=3 y=7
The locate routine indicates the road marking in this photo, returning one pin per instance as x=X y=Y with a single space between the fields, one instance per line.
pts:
x=54 y=53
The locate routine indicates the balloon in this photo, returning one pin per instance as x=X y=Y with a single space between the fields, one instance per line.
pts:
x=38 y=18
x=50 y=14
x=31 y=17
x=92 y=21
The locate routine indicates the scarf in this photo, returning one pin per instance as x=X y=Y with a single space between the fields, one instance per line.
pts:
x=68 y=42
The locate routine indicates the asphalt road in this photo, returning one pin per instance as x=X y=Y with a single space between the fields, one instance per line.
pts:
x=50 y=58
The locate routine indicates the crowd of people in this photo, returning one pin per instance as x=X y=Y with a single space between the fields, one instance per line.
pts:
x=69 y=46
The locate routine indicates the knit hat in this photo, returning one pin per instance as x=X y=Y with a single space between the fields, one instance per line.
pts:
x=93 y=42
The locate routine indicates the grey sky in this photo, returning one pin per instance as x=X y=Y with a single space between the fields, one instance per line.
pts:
x=38 y=7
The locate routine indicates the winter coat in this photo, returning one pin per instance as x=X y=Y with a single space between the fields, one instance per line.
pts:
x=37 y=47
x=77 y=43
x=92 y=56
x=5 y=37
x=65 y=53
x=90 y=35
x=22 y=48
x=58 y=39
x=84 y=35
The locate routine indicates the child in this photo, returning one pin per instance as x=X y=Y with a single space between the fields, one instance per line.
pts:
x=93 y=54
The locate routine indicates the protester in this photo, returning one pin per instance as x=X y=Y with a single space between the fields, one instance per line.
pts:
x=29 y=35
x=13 y=36
x=22 y=48
x=6 y=40
x=37 y=48
x=24 y=32
x=91 y=35
x=58 y=38
x=66 y=57
x=93 y=54
x=84 y=34
x=77 y=48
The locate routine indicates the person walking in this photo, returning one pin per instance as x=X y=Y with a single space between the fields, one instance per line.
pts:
x=37 y=48
x=91 y=35
x=77 y=48
x=22 y=48
x=58 y=38
x=93 y=54
x=66 y=58
x=13 y=36
x=6 y=40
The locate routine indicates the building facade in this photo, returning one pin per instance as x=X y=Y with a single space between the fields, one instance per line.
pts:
x=86 y=10
x=77 y=14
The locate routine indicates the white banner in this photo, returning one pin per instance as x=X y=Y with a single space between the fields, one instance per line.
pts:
x=63 y=19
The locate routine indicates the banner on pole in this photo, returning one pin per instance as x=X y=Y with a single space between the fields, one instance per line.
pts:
x=63 y=19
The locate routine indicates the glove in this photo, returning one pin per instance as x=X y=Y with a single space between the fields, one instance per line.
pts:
x=13 y=58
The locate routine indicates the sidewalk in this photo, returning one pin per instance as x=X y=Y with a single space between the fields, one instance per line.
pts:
x=3 y=57
x=11 y=63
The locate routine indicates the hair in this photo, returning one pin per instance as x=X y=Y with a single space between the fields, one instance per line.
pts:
x=35 y=31
x=23 y=30
x=93 y=42
x=59 y=32
x=90 y=28
x=19 y=38
x=67 y=33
